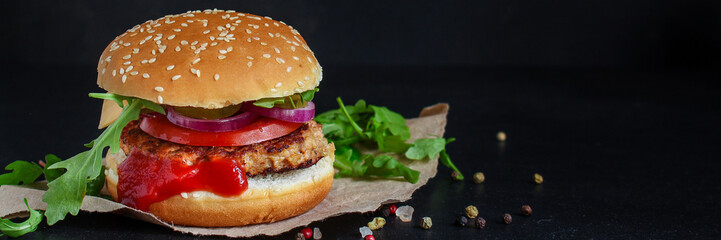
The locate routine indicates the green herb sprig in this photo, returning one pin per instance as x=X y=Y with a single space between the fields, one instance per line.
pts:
x=66 y=192
x=351 y=126
x=302 y=98
x=13 y=229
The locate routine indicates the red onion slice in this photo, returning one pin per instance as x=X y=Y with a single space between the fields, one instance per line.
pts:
x=299 y=115
x=218 y=125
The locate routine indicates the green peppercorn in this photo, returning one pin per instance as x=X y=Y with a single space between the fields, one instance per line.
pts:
x=479 y=177
x=537 y=178
x=426 y=223
x=471 y=212
x=377 y=223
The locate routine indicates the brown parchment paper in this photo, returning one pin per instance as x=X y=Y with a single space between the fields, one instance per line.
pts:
x=347 y=195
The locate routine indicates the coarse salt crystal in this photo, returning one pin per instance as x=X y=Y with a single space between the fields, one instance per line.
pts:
x=365 y=231
x=405 y=213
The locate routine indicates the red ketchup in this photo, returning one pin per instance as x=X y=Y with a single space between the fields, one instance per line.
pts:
x=145 y=180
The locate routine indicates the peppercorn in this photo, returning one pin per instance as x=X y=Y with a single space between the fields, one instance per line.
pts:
x=480 y=223
x=501 y=136
x=526 y=210
x=377 y=223
x=393 y=209
x=299 y=236
x=369 y=237
x=426 y=223
x=307 y=233
x=507 y=218
x=462 y=221
x=471 y=211
x=479 y=177
x=537 y=178
x=386 y=212
x=455 y=176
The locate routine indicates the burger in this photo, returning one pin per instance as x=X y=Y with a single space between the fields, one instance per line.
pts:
x=237 y=144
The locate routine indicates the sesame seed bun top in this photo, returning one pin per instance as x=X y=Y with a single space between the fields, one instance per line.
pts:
x=208 y=59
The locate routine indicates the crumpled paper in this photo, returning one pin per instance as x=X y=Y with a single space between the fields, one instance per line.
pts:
x=347 y=195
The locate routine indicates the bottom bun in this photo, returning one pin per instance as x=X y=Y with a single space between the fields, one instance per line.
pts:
x=269 y=198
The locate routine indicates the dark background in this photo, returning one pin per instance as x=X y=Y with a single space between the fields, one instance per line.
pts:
x=614 y=102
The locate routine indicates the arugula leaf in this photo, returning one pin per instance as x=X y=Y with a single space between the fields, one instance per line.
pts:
x=52 y=174
x=65 y=193
x=365 y=124
x=13 y=229
x=22 y=171
x=303 y=97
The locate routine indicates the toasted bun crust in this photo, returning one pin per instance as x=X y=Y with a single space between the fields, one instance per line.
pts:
x=208 y=59
x=268 y=198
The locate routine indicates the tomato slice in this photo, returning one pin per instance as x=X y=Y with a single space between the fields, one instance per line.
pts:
x=261 y=130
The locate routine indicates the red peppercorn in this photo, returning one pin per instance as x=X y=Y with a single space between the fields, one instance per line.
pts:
x=307 y=233
x=393 y=209
x=369 y=237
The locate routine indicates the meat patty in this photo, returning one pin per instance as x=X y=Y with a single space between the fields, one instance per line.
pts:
x=300 y=149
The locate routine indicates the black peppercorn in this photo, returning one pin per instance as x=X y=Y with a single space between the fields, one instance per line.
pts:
x=462 y=221
x=526 y=210
x=507 y=218
x=455 y=176
x=480 y=223
x=386 y=212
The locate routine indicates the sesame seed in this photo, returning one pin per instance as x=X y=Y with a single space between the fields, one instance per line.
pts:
x=177 y=30
x=152 y=60
x=144 y=61
x=129 y=68
x=171 y=37
x=159 y=89
x=262 y=43
x=309 y=60
x=278 y=84
x=276 y=24
x=256 y=38
x=292 y=48
x=271 y=35
x=194 y=43
x=248 y=39
x=107 y=59
x=221 y=57
x=184 y=24
x=177 y=49
x=114 y=73
x=296 y=58
x=300 y=83
x=223 y=51
x=212 y=38
x=126 y=63
x=216 y=77
x=184 y=195
x=196 y=60
x=183 y=42
x=277 y=50
x=103 y=71
x=134 y=73
x=206 y=31
x=249 y=57
x=170 y=67
x=153 y=51
x=136 y=50
x=146 y=75
x=213 y=43
x=246 y=30
x=122 y=71
x=124 y=78
x=160 y=99
x=307 y=78
x=126 y=44
x=229 y=49
x=273 y=90
x=266 y=55
x=288 y=69
x=279 y=60
x=176 y=77
x=250 y=64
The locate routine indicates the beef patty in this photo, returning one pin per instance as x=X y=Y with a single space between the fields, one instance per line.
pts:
x=300 y=149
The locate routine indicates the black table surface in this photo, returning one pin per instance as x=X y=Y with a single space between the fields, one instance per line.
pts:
x=625 y=154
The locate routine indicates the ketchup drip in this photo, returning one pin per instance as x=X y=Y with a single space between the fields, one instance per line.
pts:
x=145 y=179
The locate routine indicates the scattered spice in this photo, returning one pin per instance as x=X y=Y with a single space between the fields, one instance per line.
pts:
x=471 y=211
x=426 y=223
x=405 y=213
x=537 y=178
x=307 y=233
x=507 y=219
x=377 y=223
x=369 y=237
x=299 y=236
x=386 y=212
x=393 y=209
x=462 y=221
x=365 y=231
x=479 y=177
x=480 y=223
x=317 y=234
x=526 y=210
x=501 y=136
x=455 y=176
